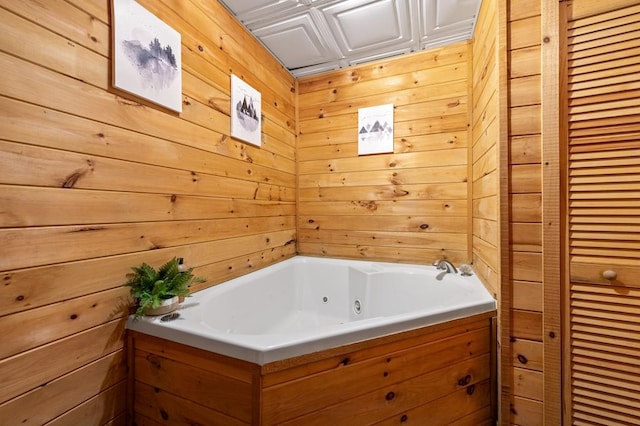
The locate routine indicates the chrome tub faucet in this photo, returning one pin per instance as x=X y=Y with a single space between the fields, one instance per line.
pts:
x=445 y=265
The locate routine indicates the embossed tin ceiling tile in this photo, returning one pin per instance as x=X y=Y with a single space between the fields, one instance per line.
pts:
x=312 y=36
x=447 y=21
x=297 y=42
x=369 y=25
x=317 y=69
x=245 y=9
x=382 y=54
x=454 y=12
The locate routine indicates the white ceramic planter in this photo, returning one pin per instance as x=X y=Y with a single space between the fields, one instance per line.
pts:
x=168 y=305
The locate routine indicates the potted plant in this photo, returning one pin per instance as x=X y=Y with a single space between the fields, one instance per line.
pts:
x=157 y=292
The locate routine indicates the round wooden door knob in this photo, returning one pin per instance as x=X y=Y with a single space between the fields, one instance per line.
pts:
x=609 y=274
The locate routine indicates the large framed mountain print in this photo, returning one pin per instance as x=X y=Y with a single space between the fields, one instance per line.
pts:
x=146 y=55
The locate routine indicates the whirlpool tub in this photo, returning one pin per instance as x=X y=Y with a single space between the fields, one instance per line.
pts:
x=288 y=328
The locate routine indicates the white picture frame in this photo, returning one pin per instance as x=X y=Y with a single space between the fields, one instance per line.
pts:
x=147 y=59
x=375 y=130
x=246 y=112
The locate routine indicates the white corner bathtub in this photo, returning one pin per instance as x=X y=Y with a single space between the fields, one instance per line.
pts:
x=306 y=304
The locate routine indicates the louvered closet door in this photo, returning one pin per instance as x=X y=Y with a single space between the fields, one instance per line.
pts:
x=604 y=217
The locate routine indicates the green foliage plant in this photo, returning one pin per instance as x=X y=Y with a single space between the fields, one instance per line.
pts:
x=150 y=287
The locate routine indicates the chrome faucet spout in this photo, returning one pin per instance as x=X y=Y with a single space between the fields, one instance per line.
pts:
x=445 y=265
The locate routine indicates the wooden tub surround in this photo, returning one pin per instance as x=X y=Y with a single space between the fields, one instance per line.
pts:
x=442 y=373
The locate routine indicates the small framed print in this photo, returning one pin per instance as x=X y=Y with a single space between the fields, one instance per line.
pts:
x=246 y=112
x=375 y=130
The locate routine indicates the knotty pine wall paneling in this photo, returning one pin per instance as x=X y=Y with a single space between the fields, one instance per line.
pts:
x=94 y=182
x=490 y=172
x=485 y=129
x=525 y=174
x=408 y=206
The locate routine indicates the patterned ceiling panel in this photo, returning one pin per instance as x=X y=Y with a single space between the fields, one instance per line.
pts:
x=313 y=36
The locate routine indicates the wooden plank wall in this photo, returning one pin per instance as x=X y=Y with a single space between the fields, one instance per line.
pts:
x=525 y=174
x=409 y=206
x=94 y=182
x=534 y=397
x=489 y=162
x=485 y=146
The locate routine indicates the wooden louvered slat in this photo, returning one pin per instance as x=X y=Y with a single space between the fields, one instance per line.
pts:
x=622 y=105
x=624 y=400
x=601 y=61
x=595 y=357
x=608 y=130
x=605 y=171
x=583 y=36
x=619 y=337
x=596 y=288
x=591 y=55
x=593 y=317
x=619 y=158
x=610 y=39
x=613 y=370
x=606 y=114
x=608 y=411
x=605 y=219
x=602 y=324
x=599 y=228
x=580 y=422
x=592 y=290
x=603 y=396
x=606 y=253
x=578 y=178
x=596 y=100
x=605 y=124
x=604 y=143
x=622 y=249
x=602 y=33
x=603 y=78
x=593 y=18
x=604 y=37
x=599 y=78
x=601 y=196
x=624 y=385
x=589 y=375
x=574 y=25
x=588 y=419
x=586 y=25
x=605 y=303
x=618 y=209
x=611 y=90
x=603 y=237
x=611 y=262
x=586 y=381
x=611 y=306
x=608 y=187
x=617 y=76
x=602 y=384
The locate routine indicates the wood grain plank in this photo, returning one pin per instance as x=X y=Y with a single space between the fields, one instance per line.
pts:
x=52 y=360
x=62 y=394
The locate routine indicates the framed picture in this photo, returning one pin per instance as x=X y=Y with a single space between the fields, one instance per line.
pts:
x=375 y=129
x=147 y=58
x=246 y=112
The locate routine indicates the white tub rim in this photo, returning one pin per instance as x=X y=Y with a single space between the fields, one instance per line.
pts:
x=263 y=349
